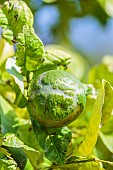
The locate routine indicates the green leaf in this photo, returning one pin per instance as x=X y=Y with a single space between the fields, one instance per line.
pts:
x=34 y=49
x=10 y=140
x=102 y=71
x=65 y=59
x=57 y=57
x=14 y=70
x=20 y=99
x=90 y=139
x=4 y=151
x=8 y=117
x=28 y=166
x=108 y=103
x=49 y=1
x=18 y=155
x=81 y=164
x=103 y=153
x=54 y=59
x=8 y=164
x=2 y=45
x=1 y=137
x=7 y=31
x=107 y=140
x=40 y=133
x=20 y=15
x=56 y=145
x=84 y=166
x=30 y=50
x=6 y=161
x=101 y=113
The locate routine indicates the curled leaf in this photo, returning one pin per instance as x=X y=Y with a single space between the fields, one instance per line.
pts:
x=54 y=59
x=18 y=14
x=30 y=50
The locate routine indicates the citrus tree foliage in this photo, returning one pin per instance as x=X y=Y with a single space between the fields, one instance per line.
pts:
x=24 y=143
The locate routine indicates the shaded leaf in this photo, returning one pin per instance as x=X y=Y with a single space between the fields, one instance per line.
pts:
x=18 y=155
x=10 y=140
x=20 y=99
x=107 y=140
x=26 y=134
x=108 y=103
x=39 y=131
x=103 y=153
x=8 y=117
x=56 y=145
x=1 y=138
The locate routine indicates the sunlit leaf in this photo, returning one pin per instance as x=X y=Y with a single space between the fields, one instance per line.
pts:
x=34 y=50
x=6 y=29
x=20 y=15
x=6 y=50
x=49 y=1
x=76 y=65
x=14 y=70
x=30 y=50
x=81 y=164
x=102 y=71
x=28 y=166
x=90 y=139
x=2 y=44
x=4 y=151
x=58 y=57
x=8 y=164
x=54 y=59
